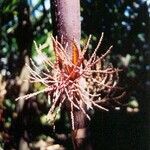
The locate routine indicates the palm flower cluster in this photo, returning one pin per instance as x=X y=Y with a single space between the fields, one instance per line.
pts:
x=82 y=84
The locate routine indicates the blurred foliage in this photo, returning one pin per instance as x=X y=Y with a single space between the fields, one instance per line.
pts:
x=126 y=26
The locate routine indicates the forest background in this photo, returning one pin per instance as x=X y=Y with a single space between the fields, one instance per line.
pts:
x=125 y=24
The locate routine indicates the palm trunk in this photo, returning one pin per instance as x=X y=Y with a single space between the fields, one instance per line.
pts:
x=24 y=38
x=66 y=24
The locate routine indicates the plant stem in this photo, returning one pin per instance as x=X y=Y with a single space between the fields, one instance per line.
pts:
x=66 y=24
